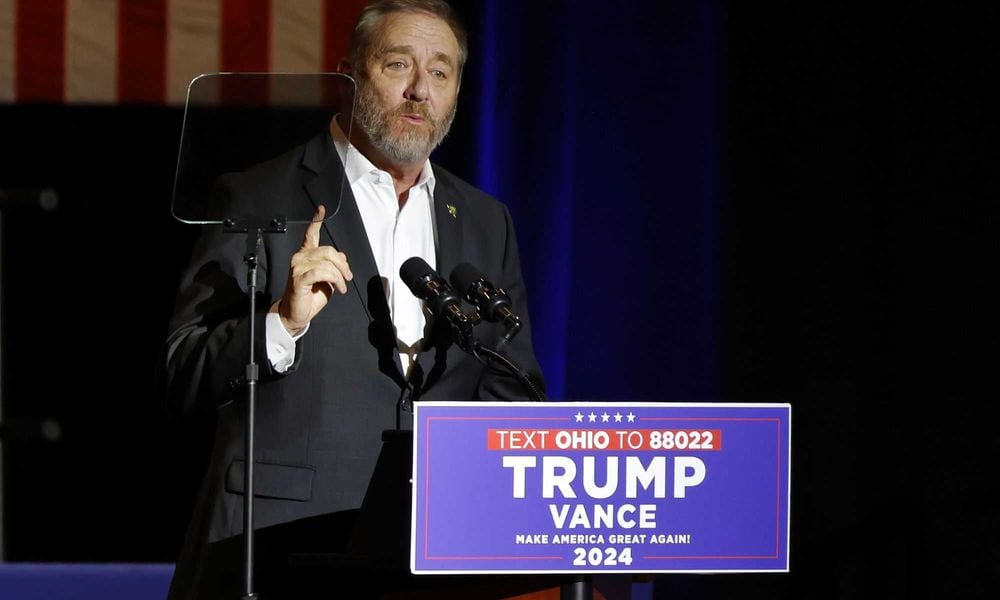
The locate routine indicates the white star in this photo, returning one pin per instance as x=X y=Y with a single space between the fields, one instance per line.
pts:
x=618 y=417
x=579 y=417
x=605 y=417
x=631 y=418
x=592 y=417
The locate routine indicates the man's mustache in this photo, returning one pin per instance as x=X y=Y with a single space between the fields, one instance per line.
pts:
x=414 y=108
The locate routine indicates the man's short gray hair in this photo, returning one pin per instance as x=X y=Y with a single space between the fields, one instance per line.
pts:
x=363 y=38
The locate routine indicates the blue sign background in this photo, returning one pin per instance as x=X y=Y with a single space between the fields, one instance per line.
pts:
x=467 y=520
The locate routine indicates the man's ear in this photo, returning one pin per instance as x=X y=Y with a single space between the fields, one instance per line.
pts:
x=345 y=67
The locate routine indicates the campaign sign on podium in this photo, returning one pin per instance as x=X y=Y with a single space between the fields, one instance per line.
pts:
x=567 y=487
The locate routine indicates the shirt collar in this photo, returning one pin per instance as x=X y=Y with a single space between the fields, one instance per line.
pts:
x=357 y=165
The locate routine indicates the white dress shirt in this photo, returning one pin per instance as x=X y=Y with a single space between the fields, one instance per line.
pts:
x=395 y=235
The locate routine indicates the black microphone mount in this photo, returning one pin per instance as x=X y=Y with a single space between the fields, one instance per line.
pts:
x=441 y=299
x=461 y=326
x=493 y=303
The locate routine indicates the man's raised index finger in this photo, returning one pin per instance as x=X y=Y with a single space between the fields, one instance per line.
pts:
x=311 y=239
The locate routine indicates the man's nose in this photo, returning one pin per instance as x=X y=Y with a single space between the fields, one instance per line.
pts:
x=418 y=89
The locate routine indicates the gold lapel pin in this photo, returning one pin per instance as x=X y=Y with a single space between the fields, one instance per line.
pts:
x=452 y=211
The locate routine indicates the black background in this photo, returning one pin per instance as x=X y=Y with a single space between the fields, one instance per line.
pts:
x=859 y=178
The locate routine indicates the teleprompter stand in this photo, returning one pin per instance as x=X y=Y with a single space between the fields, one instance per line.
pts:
x=254 y=247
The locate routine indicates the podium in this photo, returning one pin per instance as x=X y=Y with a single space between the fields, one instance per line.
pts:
x=527 y=500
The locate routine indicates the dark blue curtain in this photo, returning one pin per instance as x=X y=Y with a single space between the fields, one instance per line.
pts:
x=598 y=125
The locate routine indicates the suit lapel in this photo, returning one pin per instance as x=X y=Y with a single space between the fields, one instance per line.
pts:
x=449 y=223
x=346 y=231
x=449 y=219
x=343 y=224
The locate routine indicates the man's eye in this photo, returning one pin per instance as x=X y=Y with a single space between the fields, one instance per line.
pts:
x=397 y=65
x=439 y=74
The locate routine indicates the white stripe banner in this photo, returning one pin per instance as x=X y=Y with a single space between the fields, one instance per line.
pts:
x=91 y=73
x=193 y=28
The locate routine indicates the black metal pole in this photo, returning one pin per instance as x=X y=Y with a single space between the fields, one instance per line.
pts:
x=255 y=243
x=254 y=231
x=581 y=589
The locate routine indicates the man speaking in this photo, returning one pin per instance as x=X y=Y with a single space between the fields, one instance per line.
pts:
x=344 y=345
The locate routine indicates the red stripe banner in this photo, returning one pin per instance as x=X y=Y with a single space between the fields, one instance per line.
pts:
x=246 y=31
x=338 y=22
x=40 y=50
x=142 y=55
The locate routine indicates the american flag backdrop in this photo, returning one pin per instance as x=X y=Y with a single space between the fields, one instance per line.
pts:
x=148 y=51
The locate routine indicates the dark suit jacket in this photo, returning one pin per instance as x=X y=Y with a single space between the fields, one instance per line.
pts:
x=318 y=427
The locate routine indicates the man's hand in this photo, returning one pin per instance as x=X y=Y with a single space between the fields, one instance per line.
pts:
x=316 y=272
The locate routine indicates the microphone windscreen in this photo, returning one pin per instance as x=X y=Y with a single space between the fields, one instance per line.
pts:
x=413 y=270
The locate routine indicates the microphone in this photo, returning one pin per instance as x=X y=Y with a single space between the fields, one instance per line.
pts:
x=441 y=299
x=494 y=304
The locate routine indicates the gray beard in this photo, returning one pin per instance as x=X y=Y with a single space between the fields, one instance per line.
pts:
x=413 y=144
